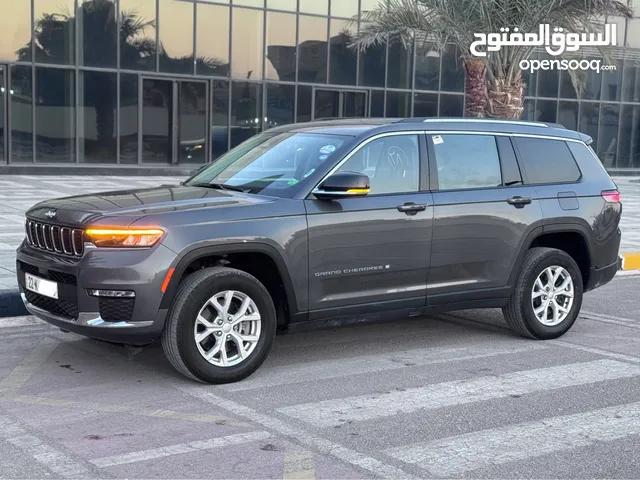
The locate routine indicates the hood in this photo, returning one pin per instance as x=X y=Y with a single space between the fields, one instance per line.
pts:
x=130 y=205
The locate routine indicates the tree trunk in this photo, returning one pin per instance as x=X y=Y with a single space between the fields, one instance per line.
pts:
x=505 y=100
x=475 y=87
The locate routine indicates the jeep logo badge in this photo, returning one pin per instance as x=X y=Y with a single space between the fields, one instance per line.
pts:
x=50 y=213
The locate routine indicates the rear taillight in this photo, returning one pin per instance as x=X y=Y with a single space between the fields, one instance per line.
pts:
x=611 y=196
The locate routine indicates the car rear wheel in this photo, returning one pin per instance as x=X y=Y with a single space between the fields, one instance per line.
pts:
x=221 y=326
x=547 y=297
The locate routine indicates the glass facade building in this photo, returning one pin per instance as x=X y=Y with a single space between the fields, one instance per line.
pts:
x=179 y=82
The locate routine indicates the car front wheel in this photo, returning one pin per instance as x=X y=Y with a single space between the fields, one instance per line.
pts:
x=221 y=326
x=548 y=295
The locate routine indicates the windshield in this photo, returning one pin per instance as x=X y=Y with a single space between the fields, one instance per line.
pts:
x=270 y=164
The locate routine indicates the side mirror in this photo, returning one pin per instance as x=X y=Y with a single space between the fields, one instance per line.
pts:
x=342 y=185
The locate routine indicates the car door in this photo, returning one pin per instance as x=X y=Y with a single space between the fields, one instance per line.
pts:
x=373 y=249
x=482 y=216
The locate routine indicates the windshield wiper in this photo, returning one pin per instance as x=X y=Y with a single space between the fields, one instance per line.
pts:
x=218 y=186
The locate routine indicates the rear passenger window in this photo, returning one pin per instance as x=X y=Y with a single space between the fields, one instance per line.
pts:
x=466 y=161
x=547 y=161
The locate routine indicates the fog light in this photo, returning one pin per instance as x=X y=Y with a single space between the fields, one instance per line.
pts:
x=112 y=293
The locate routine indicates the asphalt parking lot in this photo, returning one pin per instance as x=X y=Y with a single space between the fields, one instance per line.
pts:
x=445 y=396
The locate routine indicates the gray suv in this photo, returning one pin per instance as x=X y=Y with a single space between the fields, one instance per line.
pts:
x=328 y=223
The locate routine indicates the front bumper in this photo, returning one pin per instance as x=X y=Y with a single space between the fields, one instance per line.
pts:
x=137 y=320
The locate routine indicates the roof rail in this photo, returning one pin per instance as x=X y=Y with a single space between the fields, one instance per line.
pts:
x=483 y=120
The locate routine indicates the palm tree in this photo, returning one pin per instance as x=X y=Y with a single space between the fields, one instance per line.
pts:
x=494 y=84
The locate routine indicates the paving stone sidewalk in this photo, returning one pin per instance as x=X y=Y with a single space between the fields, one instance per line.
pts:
x=20 y=192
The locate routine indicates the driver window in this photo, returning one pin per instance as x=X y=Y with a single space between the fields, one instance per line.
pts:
x=392 y=164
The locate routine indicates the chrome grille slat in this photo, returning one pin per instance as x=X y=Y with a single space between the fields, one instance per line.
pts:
x=55 y=238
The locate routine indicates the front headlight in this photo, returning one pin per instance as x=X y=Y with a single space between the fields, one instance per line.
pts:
x=124 y=237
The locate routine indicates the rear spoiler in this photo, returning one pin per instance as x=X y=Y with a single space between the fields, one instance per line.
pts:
x=585 y=138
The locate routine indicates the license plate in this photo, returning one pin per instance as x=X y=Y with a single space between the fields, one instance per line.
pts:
x=41 y=286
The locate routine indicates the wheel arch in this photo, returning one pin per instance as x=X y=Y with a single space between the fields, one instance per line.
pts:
x=219 y=254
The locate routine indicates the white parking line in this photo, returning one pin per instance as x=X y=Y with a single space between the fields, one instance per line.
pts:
x=324 y=446
x=52 y=458
x=368 y=407
x=21 y=374
x=179 y=449
x=328 y=369
x=464 y=453
x=27 y=321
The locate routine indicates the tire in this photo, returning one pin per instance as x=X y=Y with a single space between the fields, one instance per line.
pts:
x=519 y=312
x=183 y=321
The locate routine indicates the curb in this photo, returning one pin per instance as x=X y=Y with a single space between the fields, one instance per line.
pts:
x=11 y=304
x=630 y=261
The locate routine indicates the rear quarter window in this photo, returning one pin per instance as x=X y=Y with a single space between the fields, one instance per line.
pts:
x=547 y=161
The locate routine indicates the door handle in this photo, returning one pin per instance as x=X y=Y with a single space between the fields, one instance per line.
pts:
x=519 y=202
x=411 y=208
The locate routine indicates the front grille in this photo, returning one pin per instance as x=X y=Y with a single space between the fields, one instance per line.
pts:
x=54 y=238
x=116 y=309
x=59 y=277
x=61 y=308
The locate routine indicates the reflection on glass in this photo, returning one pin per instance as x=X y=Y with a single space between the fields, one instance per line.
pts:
x=21 y=114
x=612 y=83
x=3 y=96
x=354 y=104
x=344 y=8
x=219 y=117
x=176 y=36
x=98 y=27
x=246 y=111
x=372 y=66
x=318 y=7
x=377 y=104
x=192 y=118
x=97 y=117
x=157 y=121
x=138 y=34
x=548 y=82
x=546 y=111
x=567 y=89
x=589 y=115
x=54 y=31
x=247 y=43
x=629 y=137
x=398 y=104
x=290 y=5
x=212 y=40
x=427 y=68
x=343 y=67
x=452 y=70
x=304 y=103
x=608 y=141
x=128 y=118
x=425 y=105
x=15 y=31
x=568 y=114
x=633 y=33
x=281 y=46
x=530 y=79
x=368 y=5
x=312 y=49
x=400 y=68
x=529 y=109
x=631 y=84
x=593 y=85
x=55 y=115
x=327 y=104
x=249 y=3
x=280 y=105
x=451 y=105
